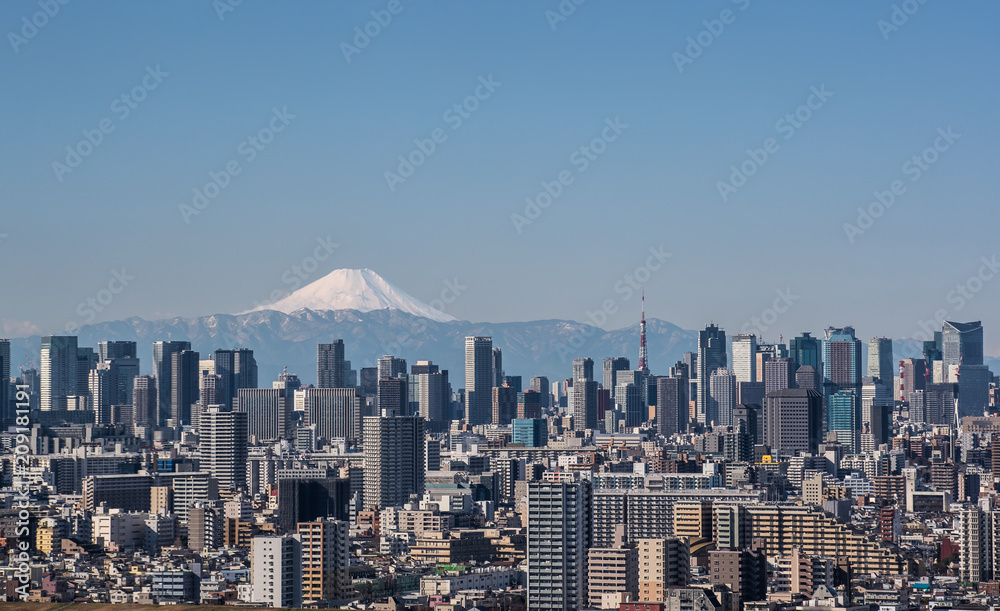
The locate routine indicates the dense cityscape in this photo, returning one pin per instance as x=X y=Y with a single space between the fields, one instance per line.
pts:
x=686 y=306
x=820 y=472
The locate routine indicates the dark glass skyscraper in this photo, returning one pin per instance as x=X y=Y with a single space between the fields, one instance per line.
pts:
x=806 y=350
x=237 y=369
x=711 y=356
x=330 y=364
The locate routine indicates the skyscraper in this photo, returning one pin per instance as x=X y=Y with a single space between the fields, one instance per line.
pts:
x=497 y=367
x=805 y=350
x=336 y=413
x=433 y=393
x=237 y=369
x=394 y=460
x=711 y=356
x=671 y=405
x=330 y=364
x=722 y=397
x=779 y=374
x=391 y=367
x=393 y=397
x=793 y=420
x=745 y=357
x=99 y=388
x=843 y=419
x=540 y=384
x=108 y=350
x=223 y=445
x=269 y=412
x=842 y=368
x=162 y=363
x=86 y=361
x=144 y=398
x=914 y=377
x=504 y=405
x=184 y=385
x=963 y=364
x=629 y=398
x=880 y=362
x=583 y=369
x=611 y=366
x=529 y=404
x=58 y=371
x=478 y=379
x=560 y=531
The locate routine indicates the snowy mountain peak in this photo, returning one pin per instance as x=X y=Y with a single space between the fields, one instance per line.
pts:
x=354 y=289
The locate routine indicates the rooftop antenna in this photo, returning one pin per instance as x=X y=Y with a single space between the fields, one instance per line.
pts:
x=643 y=365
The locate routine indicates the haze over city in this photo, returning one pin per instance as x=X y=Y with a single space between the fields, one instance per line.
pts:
x=557 y=305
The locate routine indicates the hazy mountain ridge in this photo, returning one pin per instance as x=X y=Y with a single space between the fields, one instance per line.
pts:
x=541 y=347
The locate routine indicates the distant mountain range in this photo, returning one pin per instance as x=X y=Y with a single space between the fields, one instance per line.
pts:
x=385 y=320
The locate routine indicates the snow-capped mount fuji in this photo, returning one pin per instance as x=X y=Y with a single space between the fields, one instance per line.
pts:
x=354 y=289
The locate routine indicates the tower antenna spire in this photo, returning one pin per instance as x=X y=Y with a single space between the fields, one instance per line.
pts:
x=643 y=364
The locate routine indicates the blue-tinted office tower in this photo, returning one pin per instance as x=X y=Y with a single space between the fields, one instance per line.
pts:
x=842 y=365
x=805 y=350
x=843 y=418
x=531 y=432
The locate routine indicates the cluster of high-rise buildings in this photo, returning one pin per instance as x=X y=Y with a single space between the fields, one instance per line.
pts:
x=745 y=475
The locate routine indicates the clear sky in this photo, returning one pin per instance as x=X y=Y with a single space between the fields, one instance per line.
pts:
x=196 y=86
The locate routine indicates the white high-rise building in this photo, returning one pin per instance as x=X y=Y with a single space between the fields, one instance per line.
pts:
x=223 y=445
x=276 y=568
x=745 y=357
x=560 y=531
x=478 y=380
x=979 y=541
x=99 y=383
x=58 y=371
x=721 y=397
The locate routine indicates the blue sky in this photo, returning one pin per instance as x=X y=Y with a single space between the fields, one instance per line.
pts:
x=655 y=185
